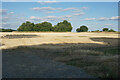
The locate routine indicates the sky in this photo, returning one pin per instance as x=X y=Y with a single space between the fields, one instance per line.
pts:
x=61 y=0
x=95 y=15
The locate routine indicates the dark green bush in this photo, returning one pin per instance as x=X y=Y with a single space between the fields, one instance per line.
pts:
x=105 y=29
x=6 y=30
x=82 y=29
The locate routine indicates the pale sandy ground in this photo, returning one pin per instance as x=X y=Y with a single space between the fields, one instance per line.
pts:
x=52 y=37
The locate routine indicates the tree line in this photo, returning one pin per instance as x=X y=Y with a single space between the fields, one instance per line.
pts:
x=85 y=29
x=64 y=26
x=6 y=30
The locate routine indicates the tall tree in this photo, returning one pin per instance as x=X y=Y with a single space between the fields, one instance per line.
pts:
x=46 y=26
x=64 y=26
x=28 y=26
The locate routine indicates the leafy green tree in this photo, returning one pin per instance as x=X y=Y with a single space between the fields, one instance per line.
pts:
x=111 y=30
x=37 y=27
x=82 y=29
x=28 y=26
x=105 y=29
x=46 y=26
x=78 y=29
x=64 y=26
x=21 y=28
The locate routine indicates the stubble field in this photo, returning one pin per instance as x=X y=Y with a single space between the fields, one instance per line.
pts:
x=95 y=53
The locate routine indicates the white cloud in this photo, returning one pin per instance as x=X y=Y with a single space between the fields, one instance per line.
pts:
x=89 y=19
x=111 y=18
x=50 y=12
x=32 y=17
x=67 y=16
x=56 y=10
x=51 y=18
x=115 y=18
x=78 y=14
x=44 y=2
x=55 y=18
x=45 y=8
x=104 y=18
x=51 y=9
x=67 y=9
x=12 y=12
x=85 y=8
x=108 y=24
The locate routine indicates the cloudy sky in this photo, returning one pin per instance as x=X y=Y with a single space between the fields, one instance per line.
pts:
x=95 y=15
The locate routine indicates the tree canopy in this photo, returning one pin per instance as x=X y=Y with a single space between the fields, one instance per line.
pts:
x=82 y=29
x=28 y=26
x=105 y=29
x=111 y=30
x=45 y=26
x=64 y=26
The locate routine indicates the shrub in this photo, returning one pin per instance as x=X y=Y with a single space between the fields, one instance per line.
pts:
x=111 y=30
x=82 y=29
x=6 y=30
x=105 y=29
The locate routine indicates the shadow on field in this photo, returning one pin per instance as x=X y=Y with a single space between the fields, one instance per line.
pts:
x=112 y=41
x=18 y=36
x=61 y=60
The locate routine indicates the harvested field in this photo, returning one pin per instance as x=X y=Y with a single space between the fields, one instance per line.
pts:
x=15 y=39
x=94 y=53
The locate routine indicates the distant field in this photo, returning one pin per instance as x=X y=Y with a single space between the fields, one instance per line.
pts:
x=36 y=38
x=96 y=53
